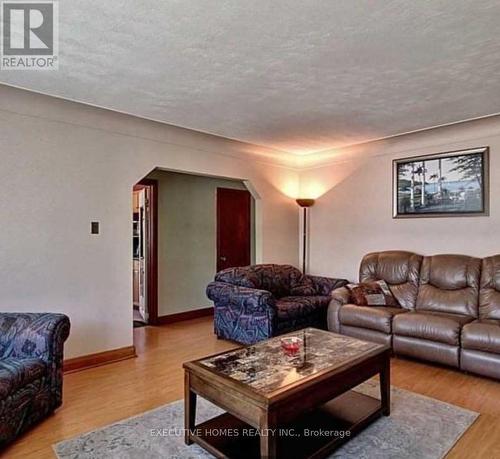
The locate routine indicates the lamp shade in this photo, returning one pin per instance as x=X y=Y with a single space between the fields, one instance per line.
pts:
x=305 y=202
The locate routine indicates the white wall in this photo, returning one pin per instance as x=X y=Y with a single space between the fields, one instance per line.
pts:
x=63 y=165
x=355 y=216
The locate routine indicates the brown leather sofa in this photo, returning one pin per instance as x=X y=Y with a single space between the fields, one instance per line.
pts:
x=449 y=309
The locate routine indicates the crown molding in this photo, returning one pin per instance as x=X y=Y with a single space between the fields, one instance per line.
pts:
x=136 y=126
x=160 y=131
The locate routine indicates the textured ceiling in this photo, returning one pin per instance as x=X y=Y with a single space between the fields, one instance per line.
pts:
x=295 y=75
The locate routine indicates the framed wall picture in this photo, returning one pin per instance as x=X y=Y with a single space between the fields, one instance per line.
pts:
x=442 y=185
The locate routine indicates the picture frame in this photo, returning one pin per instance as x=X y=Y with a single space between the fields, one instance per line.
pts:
x=454 y=184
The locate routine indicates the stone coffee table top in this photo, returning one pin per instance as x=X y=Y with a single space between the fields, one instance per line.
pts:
x=265 y=367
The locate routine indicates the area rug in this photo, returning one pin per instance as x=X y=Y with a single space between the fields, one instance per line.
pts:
x=418 y=428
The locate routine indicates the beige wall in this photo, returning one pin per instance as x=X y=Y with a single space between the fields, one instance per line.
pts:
x=63 y=165
x=355 y=216
x=186 y=238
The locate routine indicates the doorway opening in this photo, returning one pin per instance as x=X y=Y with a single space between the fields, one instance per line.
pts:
x=144 y=252
x=186 y=228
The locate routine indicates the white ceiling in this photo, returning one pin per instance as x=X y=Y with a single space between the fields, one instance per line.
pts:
x=295 y=75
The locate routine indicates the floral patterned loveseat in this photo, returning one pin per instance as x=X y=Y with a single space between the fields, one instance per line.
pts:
x=257 y=302
x=31 y=366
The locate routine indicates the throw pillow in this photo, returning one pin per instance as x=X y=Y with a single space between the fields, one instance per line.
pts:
x=375 y=293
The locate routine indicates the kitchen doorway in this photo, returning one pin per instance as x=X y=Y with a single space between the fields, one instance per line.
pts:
x=144 y=252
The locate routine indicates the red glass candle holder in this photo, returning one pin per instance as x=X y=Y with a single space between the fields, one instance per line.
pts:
x=291 y=345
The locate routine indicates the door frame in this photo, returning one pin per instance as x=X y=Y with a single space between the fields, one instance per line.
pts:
x=152 y=248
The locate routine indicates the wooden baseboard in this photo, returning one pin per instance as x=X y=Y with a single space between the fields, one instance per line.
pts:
x=101 y=358
x=187 y=315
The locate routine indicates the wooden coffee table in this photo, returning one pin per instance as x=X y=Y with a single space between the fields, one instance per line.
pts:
x=277 y=405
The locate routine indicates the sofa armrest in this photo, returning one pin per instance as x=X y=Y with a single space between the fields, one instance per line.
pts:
x=249 y=300
x=37 y=335
x=325 y=285
x=340 y=297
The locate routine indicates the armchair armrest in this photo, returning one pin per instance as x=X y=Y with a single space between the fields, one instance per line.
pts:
x=36 y=335
x=325 y=285
x=242 y=314
x=340 y=297
x=249 y=300
x=39 y=335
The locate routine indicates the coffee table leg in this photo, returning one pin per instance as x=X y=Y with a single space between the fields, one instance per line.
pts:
x=385 y=388
x=189 y=409
x=269 y=436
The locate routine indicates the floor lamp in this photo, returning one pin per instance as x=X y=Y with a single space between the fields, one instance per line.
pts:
x=305 y=204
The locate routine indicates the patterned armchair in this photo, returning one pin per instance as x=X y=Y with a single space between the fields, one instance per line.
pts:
x=257 y=302
x=31 y=360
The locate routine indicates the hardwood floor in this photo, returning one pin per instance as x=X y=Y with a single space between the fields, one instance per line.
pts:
x=103 y=395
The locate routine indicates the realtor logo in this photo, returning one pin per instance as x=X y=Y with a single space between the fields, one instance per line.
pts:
x=29 y=35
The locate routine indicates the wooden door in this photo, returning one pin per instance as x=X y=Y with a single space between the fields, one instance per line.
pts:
x=233 y=228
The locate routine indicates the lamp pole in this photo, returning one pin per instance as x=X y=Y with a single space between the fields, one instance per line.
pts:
x=304 y=240
x=305 y=204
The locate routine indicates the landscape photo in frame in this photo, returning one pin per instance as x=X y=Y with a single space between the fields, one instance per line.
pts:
x=440 y=185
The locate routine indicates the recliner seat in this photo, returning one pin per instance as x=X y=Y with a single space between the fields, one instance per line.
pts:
x=447 y=299
x=481 y=338
x=433 y=326
x=377 y=318
x=482 y=335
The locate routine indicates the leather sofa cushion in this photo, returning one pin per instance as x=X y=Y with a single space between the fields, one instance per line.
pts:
x=372 y=317
x=399 y=269
x=433 y=326
x=482 y=335
x=489 y=293
x=292 y=307
x=446 y=354
x=17 y=373
x=366 y=334
x=449 y=284
x=483 y=363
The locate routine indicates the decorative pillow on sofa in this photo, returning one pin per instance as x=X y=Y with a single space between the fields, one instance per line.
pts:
x=376 y=293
